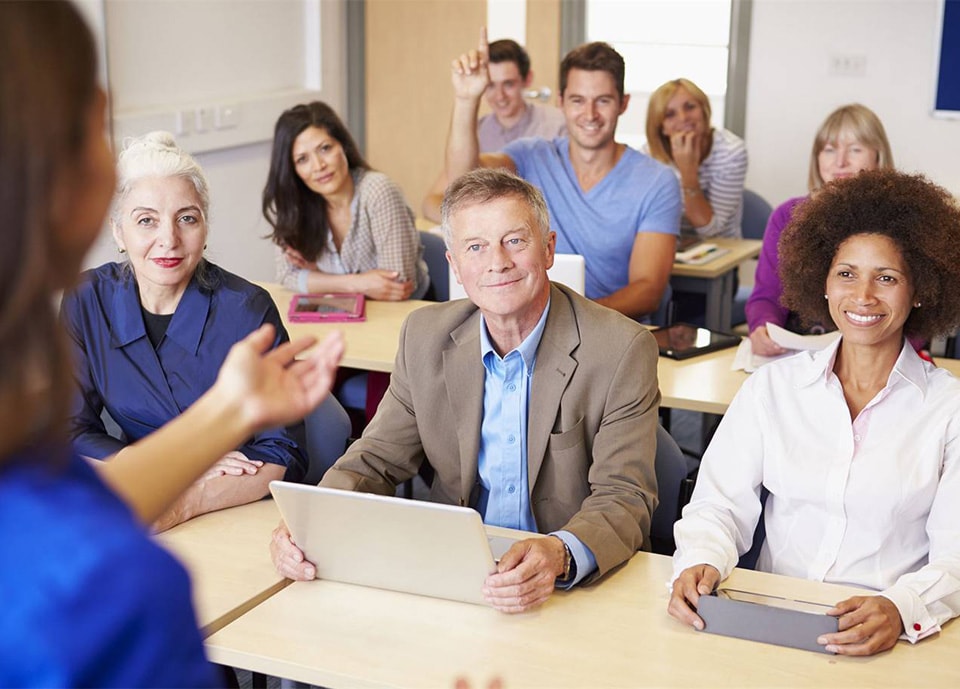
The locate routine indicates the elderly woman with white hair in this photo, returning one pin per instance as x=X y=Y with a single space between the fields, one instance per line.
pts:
x=151 y=332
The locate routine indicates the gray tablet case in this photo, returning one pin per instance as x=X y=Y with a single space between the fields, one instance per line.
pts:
x=765 y=623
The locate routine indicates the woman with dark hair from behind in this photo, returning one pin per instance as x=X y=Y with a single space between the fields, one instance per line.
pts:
x=339 y=226
x=857 y=445
x=88 y=599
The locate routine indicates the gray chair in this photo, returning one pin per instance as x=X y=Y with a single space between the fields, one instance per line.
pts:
x=435 y=256
x=756 y=214
x=671 y=468
x=328 y=430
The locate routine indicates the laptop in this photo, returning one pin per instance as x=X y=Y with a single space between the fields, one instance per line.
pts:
x=568 y=269
x=391 y=543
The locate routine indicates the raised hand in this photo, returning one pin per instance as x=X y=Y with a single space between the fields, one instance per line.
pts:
x=470 y=71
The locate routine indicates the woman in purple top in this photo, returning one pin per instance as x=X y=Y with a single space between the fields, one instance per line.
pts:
x=849 y=141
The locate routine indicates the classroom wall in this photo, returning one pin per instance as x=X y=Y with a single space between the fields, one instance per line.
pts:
x=168 y=55
x=791 y=88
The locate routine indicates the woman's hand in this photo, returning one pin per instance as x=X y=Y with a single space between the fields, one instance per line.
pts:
x=384 y=285
x=287 y=558
x=273 y=387
x=685 y=148
x=692 y=583
x=867 y=624
x=296 y=259
x=762 y=345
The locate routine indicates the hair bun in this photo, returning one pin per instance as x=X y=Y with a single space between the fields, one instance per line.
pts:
x=161 y=138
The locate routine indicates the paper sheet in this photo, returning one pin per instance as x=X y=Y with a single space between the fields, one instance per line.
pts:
x=746 y=360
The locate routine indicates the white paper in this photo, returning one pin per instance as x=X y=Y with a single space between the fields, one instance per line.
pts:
x=747 y=361
x=699 y=254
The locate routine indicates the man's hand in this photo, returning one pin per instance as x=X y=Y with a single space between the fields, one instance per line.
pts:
x=526 y=574
x=868 y=625
x=470 y=71
x=232 y=464
x=288 y=558
x=692 y=583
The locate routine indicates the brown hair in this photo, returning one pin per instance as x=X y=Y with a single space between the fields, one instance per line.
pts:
x=922 y=219
x=508 y=50
x=594 y=57
x=659 y=144
x=47 y=86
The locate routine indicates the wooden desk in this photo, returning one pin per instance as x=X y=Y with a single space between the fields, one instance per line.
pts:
x=715 y=279
x=371 y=344
x=703 y=383
x=227 y=555
x=614 y=634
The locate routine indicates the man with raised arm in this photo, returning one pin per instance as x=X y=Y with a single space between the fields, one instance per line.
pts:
x=611 y=204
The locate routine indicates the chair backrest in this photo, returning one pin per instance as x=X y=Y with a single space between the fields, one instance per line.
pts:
x=328 y=429
x=435 y=256
x=671 y=468
x=568 y=269
x=756 y=213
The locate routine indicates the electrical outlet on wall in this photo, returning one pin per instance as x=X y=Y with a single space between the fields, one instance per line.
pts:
x=848 y=65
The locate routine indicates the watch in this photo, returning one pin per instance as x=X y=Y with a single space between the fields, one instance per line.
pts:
x=567 y=560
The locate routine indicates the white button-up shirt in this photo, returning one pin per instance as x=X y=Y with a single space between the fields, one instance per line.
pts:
x=874 y=502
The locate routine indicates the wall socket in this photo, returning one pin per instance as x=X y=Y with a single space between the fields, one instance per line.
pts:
x=848 y=65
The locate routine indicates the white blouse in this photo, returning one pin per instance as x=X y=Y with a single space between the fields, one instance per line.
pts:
x=874 y=502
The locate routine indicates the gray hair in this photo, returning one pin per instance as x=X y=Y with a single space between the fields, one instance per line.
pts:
x=156 y=155
x=482 y=185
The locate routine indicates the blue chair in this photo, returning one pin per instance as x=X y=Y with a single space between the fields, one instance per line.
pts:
x=671 y=468
x=756 y=214
x=328 y=430
x=435 y=256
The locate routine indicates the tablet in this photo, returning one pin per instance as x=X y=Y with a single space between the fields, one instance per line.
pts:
x=682 y=340
x=326 y=308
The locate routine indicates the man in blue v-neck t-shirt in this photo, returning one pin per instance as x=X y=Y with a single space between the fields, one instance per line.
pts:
x=615 y=206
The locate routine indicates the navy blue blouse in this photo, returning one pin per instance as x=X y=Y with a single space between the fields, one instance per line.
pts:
x=142 y=388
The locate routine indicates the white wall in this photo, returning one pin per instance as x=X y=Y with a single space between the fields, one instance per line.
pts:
x=791 y=89
x=164 y=55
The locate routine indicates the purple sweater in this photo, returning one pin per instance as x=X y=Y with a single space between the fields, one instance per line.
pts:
x=764 y=306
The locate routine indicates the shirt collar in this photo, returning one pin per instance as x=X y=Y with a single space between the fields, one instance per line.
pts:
x=908 y=367
x=527 y=348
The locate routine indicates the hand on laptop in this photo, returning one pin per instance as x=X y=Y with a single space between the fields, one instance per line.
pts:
x=526 y=575
x=288 y=558
x=692 y=583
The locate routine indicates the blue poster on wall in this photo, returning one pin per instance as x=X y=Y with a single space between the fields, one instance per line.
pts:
x=947 y=101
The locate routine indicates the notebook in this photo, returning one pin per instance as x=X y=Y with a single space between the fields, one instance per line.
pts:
x=391 y=543
x=568 y=269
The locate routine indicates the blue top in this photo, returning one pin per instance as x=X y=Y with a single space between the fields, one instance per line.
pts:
x=87 y=598
x=638 y=195
x=143 y=388
x=504 y=496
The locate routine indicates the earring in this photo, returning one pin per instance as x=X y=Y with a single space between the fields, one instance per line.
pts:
x=917 y=305
x=826 y=296
x=121 y=250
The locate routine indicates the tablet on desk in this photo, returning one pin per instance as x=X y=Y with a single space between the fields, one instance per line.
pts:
x=768 y=619
x=326 y=308
x=682 y=340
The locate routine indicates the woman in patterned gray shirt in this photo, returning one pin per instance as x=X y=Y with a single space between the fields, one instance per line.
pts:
x=339 y=226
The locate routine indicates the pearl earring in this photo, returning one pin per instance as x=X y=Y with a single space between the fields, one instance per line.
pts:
x=826 y=296
x=917 y=305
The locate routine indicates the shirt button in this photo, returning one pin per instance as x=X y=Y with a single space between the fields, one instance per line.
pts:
x=917 y=627
x=511 y=439
x=856 y=438
x=511 y=387
x=513 y=489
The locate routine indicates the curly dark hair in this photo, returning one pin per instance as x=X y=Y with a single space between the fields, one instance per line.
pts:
x=299 y=216
x=921 y=218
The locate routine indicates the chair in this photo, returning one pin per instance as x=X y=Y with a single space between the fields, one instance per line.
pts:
x=756 y=214
x=435 y=256
x=671 y=468
x=328 y=430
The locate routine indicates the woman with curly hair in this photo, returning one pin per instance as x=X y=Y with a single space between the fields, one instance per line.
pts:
x=858 y=445
x=849 y=141
x=339 y=226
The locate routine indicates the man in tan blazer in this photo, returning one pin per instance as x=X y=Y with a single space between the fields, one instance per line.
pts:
x=523 y=358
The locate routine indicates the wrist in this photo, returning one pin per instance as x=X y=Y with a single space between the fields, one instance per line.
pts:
x=565 y=560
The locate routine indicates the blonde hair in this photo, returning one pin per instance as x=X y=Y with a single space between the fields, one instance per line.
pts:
x=863 y=124
x=659 y=144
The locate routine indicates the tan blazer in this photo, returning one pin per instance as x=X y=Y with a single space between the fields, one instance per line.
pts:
x=591 y=428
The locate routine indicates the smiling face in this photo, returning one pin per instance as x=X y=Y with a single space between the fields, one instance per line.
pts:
x=870 y=292
x=592 y=106
x=163 y=231
x=683 y=114
x=320 y=162
x=845 y=157
x=505 y=92
x=498 y=254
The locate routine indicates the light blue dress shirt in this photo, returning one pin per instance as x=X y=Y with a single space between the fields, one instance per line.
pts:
x=504 y=497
